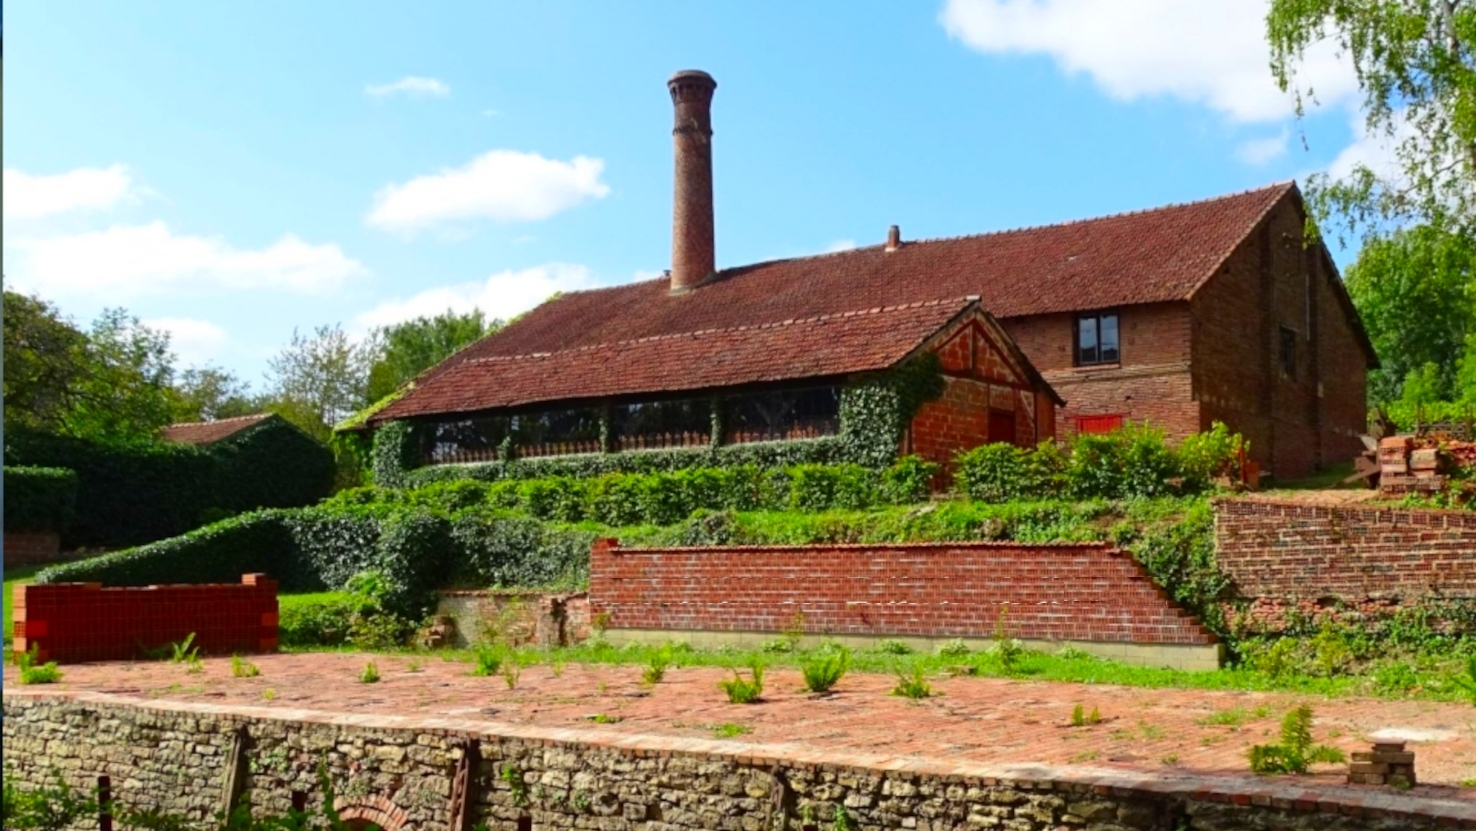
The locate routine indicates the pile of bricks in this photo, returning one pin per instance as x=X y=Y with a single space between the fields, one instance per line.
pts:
x=1387 y=764
x=1405 y=468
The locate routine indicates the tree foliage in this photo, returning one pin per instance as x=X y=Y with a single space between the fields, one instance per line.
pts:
x=319 y=379
x=411 y=347
x=209 y=393
x=1417 y=72
x=1416 y=293
x=44 y=356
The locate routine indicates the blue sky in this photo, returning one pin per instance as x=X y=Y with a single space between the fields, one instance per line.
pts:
x=231 y=172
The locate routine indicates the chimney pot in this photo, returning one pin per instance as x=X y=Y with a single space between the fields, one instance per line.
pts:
x=894 y=238
x=693 y=254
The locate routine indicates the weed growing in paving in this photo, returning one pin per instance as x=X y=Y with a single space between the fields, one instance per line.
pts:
x=1081 y=718
x=1296 y=752
x=511 y=672
x=370 y=675
x=268 y=694
x=742 y=690
x=1468 y=682
x=183 y=653
x=601 y=718
x=488 y=660
x=243 y=669
x=728 y=730
x=32 y=673
x=656 y=667
x=824 y=670
x=913 y=686
x=1007 y=651
x=1234 y=718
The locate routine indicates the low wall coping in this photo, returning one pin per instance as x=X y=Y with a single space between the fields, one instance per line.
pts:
x=1381 y=507
x=1328 y=799
x=615 y=547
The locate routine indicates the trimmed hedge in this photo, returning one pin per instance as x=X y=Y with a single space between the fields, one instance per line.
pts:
x=39 y=498
x=417 y=551
x=664 y=498
x=136 y=493
x=1126 y=463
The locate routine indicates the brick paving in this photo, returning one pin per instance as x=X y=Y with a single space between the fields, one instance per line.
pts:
x=1157 y=732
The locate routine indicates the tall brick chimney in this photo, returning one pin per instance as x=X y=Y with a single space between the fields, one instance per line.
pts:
x=693 y=258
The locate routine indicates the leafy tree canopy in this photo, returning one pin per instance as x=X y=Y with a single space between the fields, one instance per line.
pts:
x=1416 y=292
x=44 y=356
x=1417 y=72
x=209 y=393
x=319 y=379
x=409 y=348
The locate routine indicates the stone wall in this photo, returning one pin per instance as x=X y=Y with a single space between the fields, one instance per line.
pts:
x=1088 y=594
x=405 y=774
x=86 y=622
x=515 y=617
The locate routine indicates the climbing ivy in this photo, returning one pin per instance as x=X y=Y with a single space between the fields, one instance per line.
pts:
x=875 y=412
x=394 y=453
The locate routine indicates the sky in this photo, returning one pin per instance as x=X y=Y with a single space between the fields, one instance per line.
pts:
x=232 y=172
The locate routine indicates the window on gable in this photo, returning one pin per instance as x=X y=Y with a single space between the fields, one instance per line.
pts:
x=1288 y=352
x=1096 y=339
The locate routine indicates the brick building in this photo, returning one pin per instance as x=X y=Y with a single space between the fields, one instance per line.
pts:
x=1176 y=316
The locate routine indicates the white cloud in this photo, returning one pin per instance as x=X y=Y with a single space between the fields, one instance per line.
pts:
x=840 y=245
x=411 y=85
x=196 y=342
x=1375 y=151
x=130 y=261
x=501 y=295
x=501 y=185
x=1259 y=151
x=31 y=197
x=1212 y=53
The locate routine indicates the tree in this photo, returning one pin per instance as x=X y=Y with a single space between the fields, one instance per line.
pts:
x=44 y=356
x=208 y=393
x=316 y=381
x=1416 y=293
x=411 y=347
x=1417 y=72
x=126 y=392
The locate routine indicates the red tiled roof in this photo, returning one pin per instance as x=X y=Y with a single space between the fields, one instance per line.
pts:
x=1150 y=256
x=205 y=432
x=813 y=347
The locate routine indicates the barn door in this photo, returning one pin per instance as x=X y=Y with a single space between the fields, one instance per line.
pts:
x=1001 y=426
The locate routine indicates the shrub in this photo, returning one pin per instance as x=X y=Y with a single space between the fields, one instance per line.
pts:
x=954 y=648
x=824 y=669
x=317 y=621
x=1132 y=461
x=997 y=472
x=742 y=690
x=656 y=666
x=33 y=673
x=910 y=479
x=39 y=498
x=128 y=494
x=1296 y=752
x=1204 y=456
x=913 y=686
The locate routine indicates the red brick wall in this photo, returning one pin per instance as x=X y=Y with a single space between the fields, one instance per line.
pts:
x=24 y=548
x=1083 y=592
x=1295 y=423
x=71 y=622
x=1289 y=550
x=1150 y=385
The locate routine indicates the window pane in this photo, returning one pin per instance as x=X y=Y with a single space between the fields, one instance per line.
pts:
x=661 y=424
x=769 y=416
x=1108 y=338
x=1087 y=340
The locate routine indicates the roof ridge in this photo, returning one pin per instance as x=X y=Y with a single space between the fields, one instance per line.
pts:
x=219 y=420
x=1282 y=185
x=964 y=301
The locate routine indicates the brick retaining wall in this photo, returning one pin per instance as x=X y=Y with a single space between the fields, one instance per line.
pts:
x=1289 y=550
x=1076 y=593
x=29 y=548
x=407 y=773
x=69 y=622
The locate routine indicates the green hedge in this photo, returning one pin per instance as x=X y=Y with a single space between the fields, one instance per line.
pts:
x=1126 y=463
x=664 y=498
x=417 y=551
x=39 y=498
x=135 y=493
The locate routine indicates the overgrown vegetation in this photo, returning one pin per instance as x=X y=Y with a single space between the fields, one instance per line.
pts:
x=39 y=498
x=824 y=669
x=742 y=690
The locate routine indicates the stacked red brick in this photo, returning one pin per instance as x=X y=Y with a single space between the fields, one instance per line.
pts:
x=1387 y=764
x=1076 y=592
x=72 y=622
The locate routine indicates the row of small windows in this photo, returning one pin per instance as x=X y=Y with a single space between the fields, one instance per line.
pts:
x=762 y=416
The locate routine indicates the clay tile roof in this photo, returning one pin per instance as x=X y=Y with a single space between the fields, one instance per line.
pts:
x=813 y=347
x=205 y=432
x=1150 y=256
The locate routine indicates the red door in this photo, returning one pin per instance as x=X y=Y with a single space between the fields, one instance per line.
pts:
x=1001 y=426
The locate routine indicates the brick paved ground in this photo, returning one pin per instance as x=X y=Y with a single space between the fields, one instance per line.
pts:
x=986 y=720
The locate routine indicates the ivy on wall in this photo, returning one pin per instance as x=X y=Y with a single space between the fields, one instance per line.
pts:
x=874 y=413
